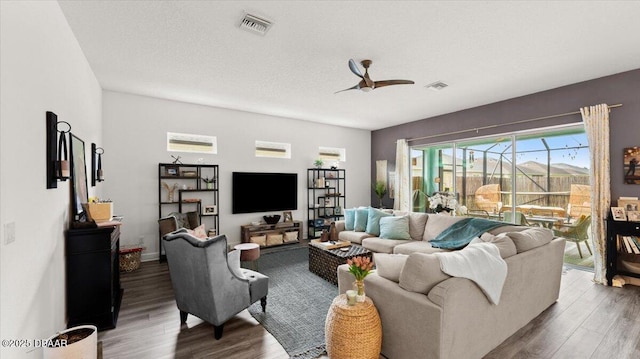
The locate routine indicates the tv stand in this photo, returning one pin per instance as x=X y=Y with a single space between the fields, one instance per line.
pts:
x=266 y=235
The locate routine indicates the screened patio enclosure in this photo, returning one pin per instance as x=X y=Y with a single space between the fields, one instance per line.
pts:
x=544 y=175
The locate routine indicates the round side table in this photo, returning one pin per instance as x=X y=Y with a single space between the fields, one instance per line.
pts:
x=353 y=332
x=249 y=252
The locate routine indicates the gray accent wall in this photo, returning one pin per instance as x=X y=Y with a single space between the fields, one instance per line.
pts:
x=623 y=88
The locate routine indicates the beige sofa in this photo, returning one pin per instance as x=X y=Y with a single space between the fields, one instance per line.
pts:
x=427 y=314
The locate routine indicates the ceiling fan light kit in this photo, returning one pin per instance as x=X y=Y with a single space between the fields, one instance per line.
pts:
x=366 y=84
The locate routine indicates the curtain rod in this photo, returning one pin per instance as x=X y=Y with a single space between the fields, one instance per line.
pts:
x=505 y=124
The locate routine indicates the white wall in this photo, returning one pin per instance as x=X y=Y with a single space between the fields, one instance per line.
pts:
x=42 y=69
x=135 y=130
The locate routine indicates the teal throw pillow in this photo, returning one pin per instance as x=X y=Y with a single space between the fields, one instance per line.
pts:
x=395 y=228
x=373 y=220
x=349 y=219
x=360 y=224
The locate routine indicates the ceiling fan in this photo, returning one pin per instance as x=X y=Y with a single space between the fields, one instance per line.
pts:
x=366 y=84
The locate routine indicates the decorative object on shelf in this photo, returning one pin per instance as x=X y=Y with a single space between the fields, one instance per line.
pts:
x=176 y=160
x=273 y=219
x=337 y=211
x=629 y=204
x=380 y=189
x=170 y=190
x=333 y=232
x=171 y=171
x=287 y=216
x=318 y=163
x=444 y=202
x=630 y=164
x=618 y=214
x=76 y=342
x=210 y=210
x=96 y=164
x=189 y=173
x=360 y=267
x=209 y=181
x=57 y=154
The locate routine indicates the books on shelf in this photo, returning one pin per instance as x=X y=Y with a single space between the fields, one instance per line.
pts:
x=630 y=244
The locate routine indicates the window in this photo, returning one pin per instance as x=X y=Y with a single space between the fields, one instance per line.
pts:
x=273 y=149
x=533 y=173
x=183 y=142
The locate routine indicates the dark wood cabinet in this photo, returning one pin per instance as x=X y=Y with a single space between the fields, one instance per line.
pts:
x=615 y=229
x=250 y=233
x=94 y=293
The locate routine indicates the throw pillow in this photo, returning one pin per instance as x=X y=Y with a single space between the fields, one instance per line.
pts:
x=531 y=238
x=505 y=245
x=421 y=272
x=360 y=224
x=395 y=228
x=373 y=220
x=199 y=232
x=417 y=223
x=349 y=219
x=233 y=262
x=389 y=266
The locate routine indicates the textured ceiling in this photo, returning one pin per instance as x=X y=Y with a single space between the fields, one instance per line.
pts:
x=194 y=51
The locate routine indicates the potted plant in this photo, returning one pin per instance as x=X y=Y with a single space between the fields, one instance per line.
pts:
x=380 y=188
x=318 y=163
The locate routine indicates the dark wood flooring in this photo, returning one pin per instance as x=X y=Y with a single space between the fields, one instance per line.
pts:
x=588 y=321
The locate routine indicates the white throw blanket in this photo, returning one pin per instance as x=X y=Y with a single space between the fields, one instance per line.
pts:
x=479 y=262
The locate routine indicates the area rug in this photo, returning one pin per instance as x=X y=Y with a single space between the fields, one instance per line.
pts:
x=297 y=303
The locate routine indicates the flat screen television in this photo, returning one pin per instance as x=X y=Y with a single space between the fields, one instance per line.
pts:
x=264 y=192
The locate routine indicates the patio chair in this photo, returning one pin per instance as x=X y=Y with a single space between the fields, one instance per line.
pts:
x=487 y=197
x=520 y=219
x=579 y=201
x=576 y=233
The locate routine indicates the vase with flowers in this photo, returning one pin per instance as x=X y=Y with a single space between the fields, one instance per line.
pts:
x=446 y=202
x=360 y=267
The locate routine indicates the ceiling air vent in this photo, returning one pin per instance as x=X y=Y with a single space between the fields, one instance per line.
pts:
x=255 y=24
x=438 y=85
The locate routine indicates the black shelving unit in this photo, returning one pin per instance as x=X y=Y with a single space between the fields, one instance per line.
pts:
x=326 y=198
x=615 y=229
x=191 y=194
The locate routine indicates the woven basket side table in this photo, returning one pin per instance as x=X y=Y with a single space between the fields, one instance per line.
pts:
x=353 y=332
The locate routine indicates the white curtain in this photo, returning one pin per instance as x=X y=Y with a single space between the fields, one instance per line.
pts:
x=402 y=201
x=596 y=124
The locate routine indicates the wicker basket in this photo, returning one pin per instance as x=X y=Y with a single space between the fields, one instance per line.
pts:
x=353 y=332
x=130 y=258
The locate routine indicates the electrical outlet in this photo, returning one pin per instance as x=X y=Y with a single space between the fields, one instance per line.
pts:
x=9 y=233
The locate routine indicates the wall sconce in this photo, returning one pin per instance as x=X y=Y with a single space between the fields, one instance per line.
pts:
x=96 y=164
x=57 y=153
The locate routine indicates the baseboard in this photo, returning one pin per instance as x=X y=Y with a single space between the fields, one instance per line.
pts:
x=148 y=257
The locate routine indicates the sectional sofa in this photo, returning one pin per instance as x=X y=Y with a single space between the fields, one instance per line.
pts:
x=426 y=313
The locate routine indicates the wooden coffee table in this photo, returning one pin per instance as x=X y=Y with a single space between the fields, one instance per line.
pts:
x=325 y=262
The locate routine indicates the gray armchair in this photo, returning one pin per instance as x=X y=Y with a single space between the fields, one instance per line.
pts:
x=208 y=282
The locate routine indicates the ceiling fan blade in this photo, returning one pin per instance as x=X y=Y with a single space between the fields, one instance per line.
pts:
x=354 y=68
x=356 y=87
x=392 y=82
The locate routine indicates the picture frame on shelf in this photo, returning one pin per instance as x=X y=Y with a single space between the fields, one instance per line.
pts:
x=209 y=210
x=629 y=205
x=171 y=171
x=337 y=211
x=633 y=216
x=618 y=214
x=287 y=216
